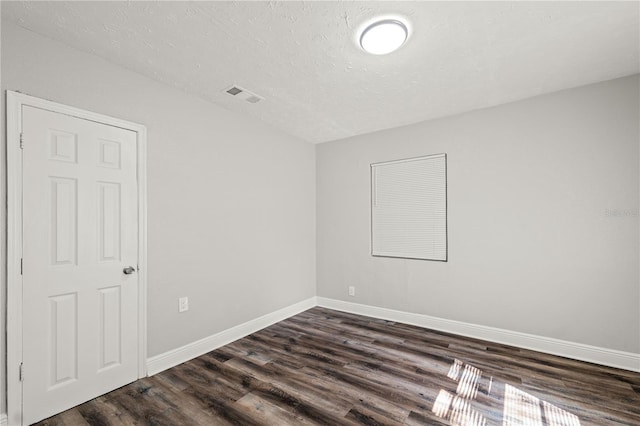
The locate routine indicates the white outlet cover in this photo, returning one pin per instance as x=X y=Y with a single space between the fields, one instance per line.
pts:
x=183 y=304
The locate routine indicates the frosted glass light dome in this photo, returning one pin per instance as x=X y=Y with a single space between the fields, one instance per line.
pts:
x=383 y=36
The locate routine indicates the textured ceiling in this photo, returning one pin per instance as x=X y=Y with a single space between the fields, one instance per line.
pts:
x=318 y=85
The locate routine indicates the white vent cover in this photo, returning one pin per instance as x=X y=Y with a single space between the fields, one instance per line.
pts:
x=243 y=94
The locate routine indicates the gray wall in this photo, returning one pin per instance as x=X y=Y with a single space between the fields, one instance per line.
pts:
x=231 y=204
x=533 y=246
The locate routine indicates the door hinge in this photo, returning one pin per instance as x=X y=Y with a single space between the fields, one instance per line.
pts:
x=21 y=267
x=21 y=140
x=21 y=373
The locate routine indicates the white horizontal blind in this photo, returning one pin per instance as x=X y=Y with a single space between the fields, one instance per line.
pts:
x=409 y=208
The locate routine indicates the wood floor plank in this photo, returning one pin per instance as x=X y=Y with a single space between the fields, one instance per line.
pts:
x=188 y=406
x=68 y=418
x=344 y=392
x=103 y=413
x=144 y=402
x=267 y=413
x=325 y=367
x=297 y=394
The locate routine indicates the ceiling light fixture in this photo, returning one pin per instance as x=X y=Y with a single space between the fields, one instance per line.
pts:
x=384 y=36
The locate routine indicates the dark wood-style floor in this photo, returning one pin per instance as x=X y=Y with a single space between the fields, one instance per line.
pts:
x=332 y=368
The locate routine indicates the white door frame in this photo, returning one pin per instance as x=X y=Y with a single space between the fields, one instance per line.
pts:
x=15 y=102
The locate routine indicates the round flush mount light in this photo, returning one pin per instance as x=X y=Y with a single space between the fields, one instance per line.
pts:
x=383 y=36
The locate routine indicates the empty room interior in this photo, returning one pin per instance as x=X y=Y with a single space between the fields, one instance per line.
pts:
x=320 y=213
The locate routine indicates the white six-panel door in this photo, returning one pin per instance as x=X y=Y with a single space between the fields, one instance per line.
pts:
x=80 y=233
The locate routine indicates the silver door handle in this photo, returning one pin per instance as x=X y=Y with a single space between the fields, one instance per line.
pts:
x=129 y=270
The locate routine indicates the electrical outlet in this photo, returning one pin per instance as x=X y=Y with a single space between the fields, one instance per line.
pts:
x=183 y=304
x=352 y=290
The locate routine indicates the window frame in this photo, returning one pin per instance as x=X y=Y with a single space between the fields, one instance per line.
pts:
x=446 y=207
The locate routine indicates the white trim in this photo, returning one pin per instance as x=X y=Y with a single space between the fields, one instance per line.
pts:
x=15 y=102
x=407 y=160
x=608 y=357
x=142 y=250
x=192 y=350
x=4 y=420
x=14 y=254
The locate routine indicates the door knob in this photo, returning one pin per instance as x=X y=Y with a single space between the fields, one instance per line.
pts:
x=129 y=270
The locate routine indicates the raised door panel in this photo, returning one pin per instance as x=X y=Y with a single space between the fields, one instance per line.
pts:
x=64 y=221
x=63 y=340
x=109 y=218
x=110 y=327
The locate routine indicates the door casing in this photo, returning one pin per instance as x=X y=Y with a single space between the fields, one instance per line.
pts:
x=15 y=102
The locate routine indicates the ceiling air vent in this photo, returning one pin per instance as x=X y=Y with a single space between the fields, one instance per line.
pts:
x=234 y=90
x=243 y=94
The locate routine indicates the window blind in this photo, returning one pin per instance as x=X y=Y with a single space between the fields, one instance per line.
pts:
x=409 y=208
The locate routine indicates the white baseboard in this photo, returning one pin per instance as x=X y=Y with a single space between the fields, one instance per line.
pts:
x=603 y=356
x=177 y=356
x=609 y=357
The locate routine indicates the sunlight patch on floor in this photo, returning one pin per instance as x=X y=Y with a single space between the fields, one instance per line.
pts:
x=520 y=407
x=457 y=410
